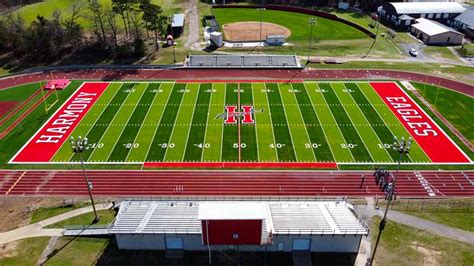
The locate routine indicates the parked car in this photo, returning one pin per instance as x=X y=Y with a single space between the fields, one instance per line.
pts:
x=413 y=52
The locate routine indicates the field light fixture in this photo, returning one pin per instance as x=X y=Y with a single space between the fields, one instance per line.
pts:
x=78 y=146
x=402 y=146
x=312 y=21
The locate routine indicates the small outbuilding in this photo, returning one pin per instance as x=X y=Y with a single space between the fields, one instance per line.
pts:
x=217 y=39
x=177 y=25
x=435 y=33
x=276 y=39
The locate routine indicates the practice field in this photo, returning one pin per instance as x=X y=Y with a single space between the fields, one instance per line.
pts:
x=240 y=124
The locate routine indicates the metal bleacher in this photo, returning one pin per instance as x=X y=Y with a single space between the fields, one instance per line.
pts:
x=242 y=61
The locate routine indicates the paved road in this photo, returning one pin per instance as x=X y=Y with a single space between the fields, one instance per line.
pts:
x=193 y=40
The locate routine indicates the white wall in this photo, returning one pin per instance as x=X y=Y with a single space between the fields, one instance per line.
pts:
x=324 y=243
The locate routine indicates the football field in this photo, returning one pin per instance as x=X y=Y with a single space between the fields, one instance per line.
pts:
x=240 y=122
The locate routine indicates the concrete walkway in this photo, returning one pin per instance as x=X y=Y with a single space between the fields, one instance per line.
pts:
x=419 y=223
x=36 y=229
x=193 y=41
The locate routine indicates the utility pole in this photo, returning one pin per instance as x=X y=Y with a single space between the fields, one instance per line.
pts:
x=261 y=9
x=78 y=147
x=402 y=146
x=312 y=21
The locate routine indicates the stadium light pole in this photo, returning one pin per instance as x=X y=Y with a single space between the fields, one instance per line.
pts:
x=261 y=9
x=402 y=146
x=312 y=21
x=78 y=147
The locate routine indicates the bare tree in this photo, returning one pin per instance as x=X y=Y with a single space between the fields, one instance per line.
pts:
x=112 y=22
x=98 y=17
x=72 y=28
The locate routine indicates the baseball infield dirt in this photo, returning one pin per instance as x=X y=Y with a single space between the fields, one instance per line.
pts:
x=250 y=31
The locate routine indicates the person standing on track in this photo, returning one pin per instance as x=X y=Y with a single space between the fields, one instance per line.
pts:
x=362 y=181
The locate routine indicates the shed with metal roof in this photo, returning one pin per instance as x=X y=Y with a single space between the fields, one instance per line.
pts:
x=435 y=33
x=395 y=13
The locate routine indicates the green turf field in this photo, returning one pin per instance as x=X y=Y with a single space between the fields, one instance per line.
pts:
x=297 y=23
x=343 y=122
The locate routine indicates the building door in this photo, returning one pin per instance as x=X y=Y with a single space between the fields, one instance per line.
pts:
x=174 y=243
x=280 y=246
x=301 y=244
x=449 y=39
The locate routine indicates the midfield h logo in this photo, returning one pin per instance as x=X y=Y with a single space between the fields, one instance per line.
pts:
x=231 y=114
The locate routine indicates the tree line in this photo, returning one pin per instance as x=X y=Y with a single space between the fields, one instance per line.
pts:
x=118 y=31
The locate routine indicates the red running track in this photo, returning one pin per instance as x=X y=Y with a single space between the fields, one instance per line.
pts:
x=230 y=183
x=234 y=74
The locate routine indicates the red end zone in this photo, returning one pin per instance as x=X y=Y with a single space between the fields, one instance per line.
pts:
x=44 y=144
x=434 y=142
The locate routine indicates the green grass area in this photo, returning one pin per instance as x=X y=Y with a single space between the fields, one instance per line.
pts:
x=456 y=213
x=25 y=129
x=77 y=251
x=47 y=8
x=442 y=125
x=48 y=212
x=25 y=251
x=467 y=50
x=461 y=220
x=19 y=93
x=440 y=52
x=105 y=216
x=455 y=72
x=452 y=105
x=297 y=23
x=403 y=245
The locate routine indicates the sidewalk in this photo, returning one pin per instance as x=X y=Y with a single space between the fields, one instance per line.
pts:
x=36 y=229
x=419 y=223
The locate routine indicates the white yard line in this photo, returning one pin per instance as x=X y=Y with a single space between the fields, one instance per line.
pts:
x=90 y=128
x=191 y=124
x=381 y=117
x=255 y=125
x=107 y=129
x=128 y=120
x=355 y=129
x=174 y=126
x=370 y=125
x=301 y=116
x=144 y=119
x=156 y=130
x=287 y=125
x=429 y=117
x=319 y=121
x=223 y=126
x=207 y=121
x=45 y=123
x=334 y=119
x=271 y=122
